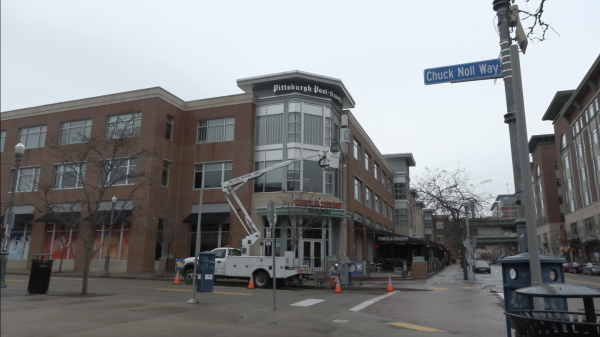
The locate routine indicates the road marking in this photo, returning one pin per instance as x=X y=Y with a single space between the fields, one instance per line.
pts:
x=416 y=327
x=306 y=303
x=574 y=280
x=339 y=321
x=369 y=302
x=468 y=288
x=501 y=295
x=439 y=288
x=214 y=292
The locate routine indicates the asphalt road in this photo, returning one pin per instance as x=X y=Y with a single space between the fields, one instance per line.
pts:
x=147 y=308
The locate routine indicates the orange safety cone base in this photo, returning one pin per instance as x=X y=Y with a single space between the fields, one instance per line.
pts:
x=251 y=283
x=389 y=287
x=338 y=289
x=176 y=281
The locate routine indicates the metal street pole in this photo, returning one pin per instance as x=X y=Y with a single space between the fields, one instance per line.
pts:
x=193 y=300
x=502 y=9
x=335 y=147
x=108 y=242
x=470 y=261
x=9 y=218
x=534 y=253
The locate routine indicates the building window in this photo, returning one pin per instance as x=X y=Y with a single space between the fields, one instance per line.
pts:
x=75 y=131
x=367 y=161
x=119 y=240
x=164 y=181
x=33 y=137
x=560 y=200
x=69 y=175
x=440 y=238
x=211 y=175
x=356 y=150
x=293 y=177
x=357 y=188
x=119 y=172
x=124 y=125
x=562 y=217
x=313 y=129
x=2 y=140
x=557 y=182
x=383 y=179
x=269 y=129
x=556 y=165
x=400 y=191
x=216 y=130
x=368 y=196
x=169 y=127
x=391 y=212
x=312 y=177
x=270 y=181
x=389 y=186
x=401 y=216
x=574 y=230
x=60 y=241
x=384 y=207
x=28 y=179
x=377 y=203
x=328 y=131
x=429 y=237
x=294 y=127
x=330 y=183
x=589 y=224
x=439 y=225
x=376 y=171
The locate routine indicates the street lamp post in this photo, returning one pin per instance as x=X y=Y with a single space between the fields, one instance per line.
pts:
x=335 y=148
x=470 y=262
x=113 y=202
x=9 y=218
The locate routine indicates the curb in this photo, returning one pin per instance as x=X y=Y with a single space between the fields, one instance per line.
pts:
x=226 y=283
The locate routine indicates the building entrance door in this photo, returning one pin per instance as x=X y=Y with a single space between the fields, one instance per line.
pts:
x=312 y=252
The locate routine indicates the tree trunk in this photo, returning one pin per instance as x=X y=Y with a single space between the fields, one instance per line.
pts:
x=62 y=253
x=463 y=258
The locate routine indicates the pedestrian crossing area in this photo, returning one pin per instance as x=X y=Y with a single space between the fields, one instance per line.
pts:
x=312 y=301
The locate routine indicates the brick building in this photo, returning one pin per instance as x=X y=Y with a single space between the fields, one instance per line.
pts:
x=197 y=145
x=547 y=182
x=574 y=115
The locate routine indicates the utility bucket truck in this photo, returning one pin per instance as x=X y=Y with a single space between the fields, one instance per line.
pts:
x=234 y=263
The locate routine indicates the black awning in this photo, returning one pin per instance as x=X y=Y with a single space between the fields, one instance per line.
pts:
x=58 y=217
x=20 y=219
x=118 y=215
x=208 y=218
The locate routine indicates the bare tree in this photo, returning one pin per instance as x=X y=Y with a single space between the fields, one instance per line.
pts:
x=90 y=167
x=448 y=192
x=165 y=230
x=299 y=216
x=537 y=30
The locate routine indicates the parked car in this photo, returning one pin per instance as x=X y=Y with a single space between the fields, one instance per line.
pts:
x=566 y=266
x=591 y=268
x=575 y=268
x=482 y=267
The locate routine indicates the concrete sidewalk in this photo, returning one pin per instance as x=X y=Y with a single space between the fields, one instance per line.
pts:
x=361 y=283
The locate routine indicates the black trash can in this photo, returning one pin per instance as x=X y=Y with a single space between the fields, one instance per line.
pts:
x=39 y=277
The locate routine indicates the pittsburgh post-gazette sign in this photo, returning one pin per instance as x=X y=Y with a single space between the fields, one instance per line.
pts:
x=313 y=89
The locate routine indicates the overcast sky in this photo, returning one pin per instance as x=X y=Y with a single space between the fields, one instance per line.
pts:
x=55 y=51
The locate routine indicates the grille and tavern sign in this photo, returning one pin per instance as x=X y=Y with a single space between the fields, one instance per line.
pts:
x=392 y=238
x=318 y=203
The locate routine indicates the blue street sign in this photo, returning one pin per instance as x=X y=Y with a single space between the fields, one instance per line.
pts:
x=482 y=70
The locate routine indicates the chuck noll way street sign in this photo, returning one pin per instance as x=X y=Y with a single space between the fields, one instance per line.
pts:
x=474 y=71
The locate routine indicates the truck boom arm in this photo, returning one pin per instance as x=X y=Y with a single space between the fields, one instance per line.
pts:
x=327 y=160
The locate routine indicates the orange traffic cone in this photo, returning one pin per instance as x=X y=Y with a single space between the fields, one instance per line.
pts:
x=390 y=288
x=338 y=289
x=251 y=283
x=176 y=282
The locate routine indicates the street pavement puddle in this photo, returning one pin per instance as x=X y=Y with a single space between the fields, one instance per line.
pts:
x=416 y=327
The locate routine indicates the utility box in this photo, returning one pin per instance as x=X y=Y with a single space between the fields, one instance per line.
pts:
x=206 y=272
x=517 y=274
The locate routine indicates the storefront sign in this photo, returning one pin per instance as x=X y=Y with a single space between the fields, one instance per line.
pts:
x=318 y=203
x=392 y=239
x=314 y=89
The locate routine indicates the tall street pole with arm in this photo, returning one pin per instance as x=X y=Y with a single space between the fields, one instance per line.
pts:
x=9 y=217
